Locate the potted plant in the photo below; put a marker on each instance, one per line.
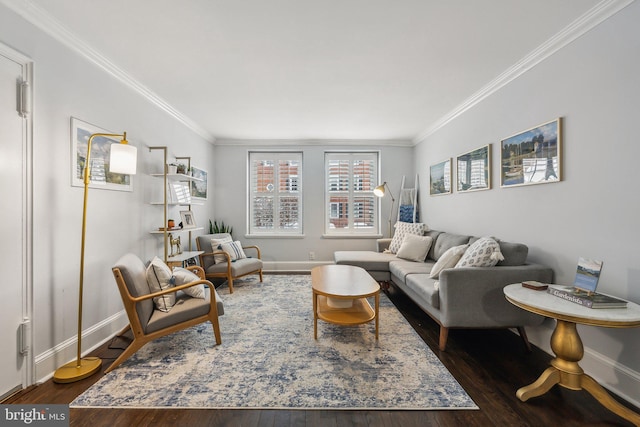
(215, 228)
(181, 168)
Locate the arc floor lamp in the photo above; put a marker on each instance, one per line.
(379, 192)
(122, 159)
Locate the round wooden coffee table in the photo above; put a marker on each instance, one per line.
(340, 295)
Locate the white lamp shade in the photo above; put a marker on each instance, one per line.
(123, 159)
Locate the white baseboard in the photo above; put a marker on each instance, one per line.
(613, 376)
(46, 363)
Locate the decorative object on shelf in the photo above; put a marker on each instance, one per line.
(199, 184)
(188, 220)
(172, 169)
(533, 156)
(181, 169)
(215, 228)
(440, 178)
(473, 170)
(379, 191)
(175, 241)
(122, 161)
(101, 172)
(171, 223)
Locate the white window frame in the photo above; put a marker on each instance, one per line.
(351, 194)
(275, 193)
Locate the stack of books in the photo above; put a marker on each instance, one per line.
(583, 291)
(587, 299)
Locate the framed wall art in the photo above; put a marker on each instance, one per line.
(473, 170)
(533, 156)
(199, 186)
(100, 150)
(188, 220)
(440, 178)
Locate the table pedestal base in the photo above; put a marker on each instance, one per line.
(565, 371)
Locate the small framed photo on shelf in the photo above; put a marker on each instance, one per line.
(473, 170)
(440, 178)
(188, 220)
(533, 156)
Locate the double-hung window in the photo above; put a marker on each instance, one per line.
(275, 196)
(350, 205)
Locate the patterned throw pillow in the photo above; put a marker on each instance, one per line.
(183, 276)
(484, 252)
(215, 245)
(234, 249)
(403, 228)
(159, 278)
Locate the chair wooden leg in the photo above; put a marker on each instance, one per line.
(216, 330)
(523, 335)
(230, 283)
(444, 334)
(128, 352)
(261, 275)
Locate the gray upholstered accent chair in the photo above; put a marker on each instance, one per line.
(145, 321)
(229, 270)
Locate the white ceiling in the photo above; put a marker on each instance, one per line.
(316, 70)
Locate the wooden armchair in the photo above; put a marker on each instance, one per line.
(229, 270)
(145, 321)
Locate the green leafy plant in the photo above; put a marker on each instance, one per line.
(215, 228)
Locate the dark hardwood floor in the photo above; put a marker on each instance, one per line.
(490, 364)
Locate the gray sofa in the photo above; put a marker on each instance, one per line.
(464, 297)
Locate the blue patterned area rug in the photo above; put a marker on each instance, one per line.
(269, 360)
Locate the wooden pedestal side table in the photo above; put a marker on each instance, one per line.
(340, 295)
(567, 345)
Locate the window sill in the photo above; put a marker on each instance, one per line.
(274, 236)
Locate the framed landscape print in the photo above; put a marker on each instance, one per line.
(533, 156)
(199, 187)
(440, 178)
(100, 151)
(473, 170)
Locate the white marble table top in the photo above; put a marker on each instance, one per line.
(543, 303)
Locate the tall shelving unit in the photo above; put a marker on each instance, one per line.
(170, 258)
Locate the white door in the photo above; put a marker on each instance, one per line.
(14, 219)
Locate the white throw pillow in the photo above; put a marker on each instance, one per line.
(234, 249)
(414, 248)
(484, 252)
(449, 259)
(159, 278)
(183, 276)
(215, 246)
(403, 228)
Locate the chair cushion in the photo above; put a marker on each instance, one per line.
(184, 309)
(204, 243)
(238, 268)
(135, 277)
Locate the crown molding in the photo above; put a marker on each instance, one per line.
(45, 22)
(589, 20)
(316, 142)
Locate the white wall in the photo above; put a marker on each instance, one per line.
(287, 253)
(594, 85)
(66, 85)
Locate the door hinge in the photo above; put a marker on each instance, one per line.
(24, 99)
